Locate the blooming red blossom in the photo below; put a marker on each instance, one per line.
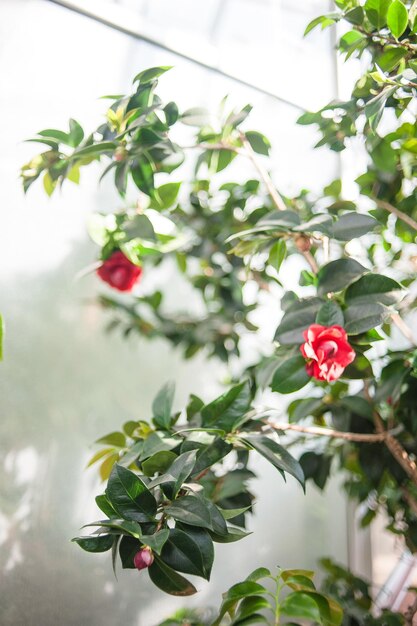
(327, 351)
(119, 272)
(143, 558)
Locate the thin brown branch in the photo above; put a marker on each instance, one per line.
(400, 214)
(410, 500)
(328, 432)
(396, 449)
(404, 329)
(265, 177)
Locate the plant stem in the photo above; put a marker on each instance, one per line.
(400, 214)
(329, 432)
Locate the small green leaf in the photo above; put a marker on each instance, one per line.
(157, 540)
(290, 375)
(227, 410)
(259, 143)
(151, 74)
(189, 550)
(162, 405)
(330, 314)
(115, 439)
(159, 462)
(48, 184)
(397, 18)
(95, 543)
(139, 227)
(352, 225)
(277, 254)
(276, 454)
(129, 496)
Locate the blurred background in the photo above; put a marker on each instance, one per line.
(64, 382)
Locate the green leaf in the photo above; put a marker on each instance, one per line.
(227, 410)
(259, 143)
(374, 108)
(276, 454)
(159, 462)
(352, 225)
(48, 184)
(211, 454)
(157, 540)
(129, 496)
(128, 548)
(197, 511)
(297, 318)
(151, 74)
(397, 18)
(323, 20)
(277, 254)
(94, 150)
(179, 471)
(76, 134)
(95, 543)
(167, 194)
(236, 593)
(162, 405)
(391, 58)
(299, 605)
(105, 506)
(139, 227)
(364, 316)
(337, 275)
(58, 135)
(374, 288)
(290, 375)
(156, 442)
(258, 573)
(249, 607)
(167, 579)
(190, 551)
(233, 534)
(376, 12)
(330, 314)
(196, 116)
(115, 439)
(232, 513)
(355, 16)
(123, 526)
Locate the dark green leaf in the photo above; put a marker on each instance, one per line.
(189, 550)
(95, 543)
(259, 143)
(157, 540)
(351, 225)
(364, 316)
(227, 410)
(337, 275)
(298, 317)
(197, 511)
(162, 405)
(330, 314)
(290, 375)
(374, 288)
(159, 462)
(167, 579)
(129, 496)
(276, 454)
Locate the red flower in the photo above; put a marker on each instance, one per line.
(143, 558)
(327, 350)
(119, 272)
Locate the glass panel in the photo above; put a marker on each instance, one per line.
(64, 383)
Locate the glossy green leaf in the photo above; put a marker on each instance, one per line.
(95, 543)
(189, 550)
(277, 254)
(151, 74)
(105, 506)
(364, 316)
(297, 318)
(373, 288)
(330, 314)
(397, 18)
(227, 410)
(301, 606)
(337, 275)
(352, 225)
(276, 454)
(233, 534)
(290, 375)
(211, 454)
(167, 579)
(179, 471)
(162, 405)
(157, 540)
(129, 496)
(376, 12)
(159, 462)
(197, 511)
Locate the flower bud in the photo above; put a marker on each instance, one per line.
(303, 243)
(143, 558)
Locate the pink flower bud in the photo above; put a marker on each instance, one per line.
(143, 558)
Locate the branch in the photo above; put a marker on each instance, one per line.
(404, 329)
(396, 449)
(329, 432)
(400, 214)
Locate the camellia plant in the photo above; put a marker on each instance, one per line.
(170, 493)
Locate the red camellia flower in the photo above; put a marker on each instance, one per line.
(327, 350)
(119, 272)
(143, 558)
